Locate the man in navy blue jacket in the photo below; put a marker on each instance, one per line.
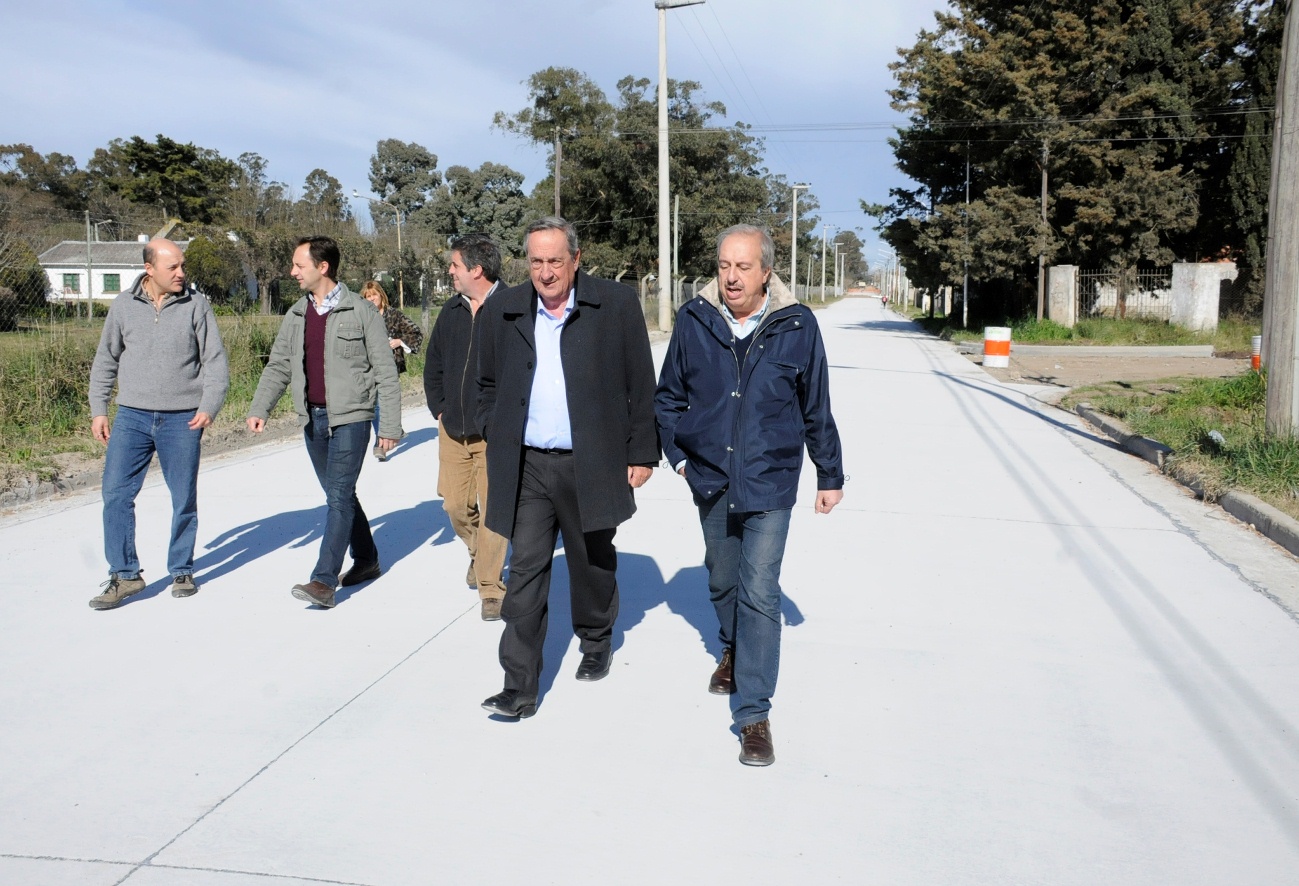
(744, 388)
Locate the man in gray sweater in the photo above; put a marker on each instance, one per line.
(162, 349)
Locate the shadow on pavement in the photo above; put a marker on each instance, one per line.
(414, 438)
(1013, 401)
(244, 544)
(399, 534)
(640, 589)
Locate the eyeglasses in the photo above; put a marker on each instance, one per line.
(553, 263)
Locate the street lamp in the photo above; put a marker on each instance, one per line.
(793, 240)
(401, 289)
(665, 266)
(107, 221)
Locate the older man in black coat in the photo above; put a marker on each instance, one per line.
(566, 404)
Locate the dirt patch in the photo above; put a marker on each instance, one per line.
(1065, 371)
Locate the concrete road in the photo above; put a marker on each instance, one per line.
(1012, 655)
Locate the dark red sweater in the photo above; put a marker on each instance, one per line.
(313, 355)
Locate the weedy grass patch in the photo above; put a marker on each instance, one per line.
(1216, 429)
(45, 376)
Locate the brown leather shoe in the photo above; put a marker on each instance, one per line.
(491, 609)
(315, 592)
(723, 679)
(755, 744)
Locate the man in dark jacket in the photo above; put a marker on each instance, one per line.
(567, 407)
(744, 388)
(451, 388)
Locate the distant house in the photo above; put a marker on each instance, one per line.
(114, 266)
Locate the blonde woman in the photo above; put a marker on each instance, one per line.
(403, 337)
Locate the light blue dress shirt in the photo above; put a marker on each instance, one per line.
(548, 426)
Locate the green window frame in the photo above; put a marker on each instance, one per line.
(72, 283)
(112, 283)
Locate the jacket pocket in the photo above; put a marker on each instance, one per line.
(351, 340)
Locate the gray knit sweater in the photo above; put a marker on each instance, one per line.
(169, 359)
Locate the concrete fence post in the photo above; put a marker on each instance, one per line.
(1062, 295)
(1196, 288)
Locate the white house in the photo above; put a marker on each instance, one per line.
(113, 267)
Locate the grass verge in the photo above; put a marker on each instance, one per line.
(1215, 428)
(44, 411)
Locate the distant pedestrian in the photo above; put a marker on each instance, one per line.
(332, 354)
(162, 349)
(744, 388)
(404, 337)
(451, 388)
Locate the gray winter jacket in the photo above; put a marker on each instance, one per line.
(359, 369)
(169, 358)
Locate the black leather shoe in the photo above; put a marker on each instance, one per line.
(361, 572)
(594, 666)
(511, 703)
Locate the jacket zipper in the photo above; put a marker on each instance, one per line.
(464, 370)
(739, 383)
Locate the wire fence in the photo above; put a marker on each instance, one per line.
(1126, 293)
(1147, 293)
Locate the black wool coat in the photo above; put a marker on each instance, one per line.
(609, 380)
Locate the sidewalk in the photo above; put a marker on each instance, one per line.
(1012, 655)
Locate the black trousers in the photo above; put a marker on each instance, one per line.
(547, 506)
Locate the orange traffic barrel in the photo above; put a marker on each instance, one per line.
(996, 347)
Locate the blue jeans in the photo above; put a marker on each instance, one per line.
(135, 436)
(337, 457)
(743, 553)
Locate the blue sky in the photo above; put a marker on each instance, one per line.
(317, 84)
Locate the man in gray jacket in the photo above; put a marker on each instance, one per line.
(162, 349)
(332, 354)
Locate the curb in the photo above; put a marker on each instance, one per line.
(1261, 516)
(1167, 351)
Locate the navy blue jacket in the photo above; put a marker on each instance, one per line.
(745, 427)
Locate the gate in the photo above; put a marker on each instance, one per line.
(1126, 293)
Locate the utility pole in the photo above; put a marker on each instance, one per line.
(1281, 296)
(1041, 256)
(676, 247)
(90, 275)
(825, 232)
(665, 269)
(559, 159)
(793, 240)
(965, 283)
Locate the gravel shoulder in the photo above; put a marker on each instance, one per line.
(1063, 370)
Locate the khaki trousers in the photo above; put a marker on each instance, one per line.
(462, 483)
